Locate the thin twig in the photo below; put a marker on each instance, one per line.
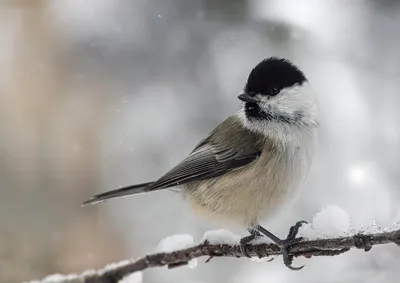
(309, 248)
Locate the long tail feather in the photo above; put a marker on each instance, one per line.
(118, 193)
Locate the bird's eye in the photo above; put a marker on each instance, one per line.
(273, 91)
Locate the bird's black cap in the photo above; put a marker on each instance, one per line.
(272, 75)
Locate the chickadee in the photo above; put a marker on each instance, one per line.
(252, 163)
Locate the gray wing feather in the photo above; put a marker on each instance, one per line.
(206, 162)
(213, 157)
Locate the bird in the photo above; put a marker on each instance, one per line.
(253, 163)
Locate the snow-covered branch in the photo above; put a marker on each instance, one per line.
(309, 248)
(329, 234)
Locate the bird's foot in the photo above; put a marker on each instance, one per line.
(245, 240)
(287, 243)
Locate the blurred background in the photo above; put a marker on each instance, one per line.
(97, 94)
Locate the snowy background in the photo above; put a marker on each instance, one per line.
(96, 94)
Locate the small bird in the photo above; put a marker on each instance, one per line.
(255, 161)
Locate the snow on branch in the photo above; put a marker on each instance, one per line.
(179, 250)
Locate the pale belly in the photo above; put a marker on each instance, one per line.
(247, 196)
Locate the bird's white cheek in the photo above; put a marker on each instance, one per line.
(286, 105)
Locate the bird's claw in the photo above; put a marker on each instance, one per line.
(243, 248)
(288, 260)
(294, 230)
(288, 242)
(283, 244)
(362, 242)
(244, 241)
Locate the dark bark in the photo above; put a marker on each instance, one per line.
(308, 248)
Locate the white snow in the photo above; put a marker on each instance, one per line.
(374, 228)
(262, 240)
(114, 265)
(175, 243)
(223, 237)
(331, 221)
(55, 278)
(193, 263)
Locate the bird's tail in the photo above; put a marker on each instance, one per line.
(118, 193)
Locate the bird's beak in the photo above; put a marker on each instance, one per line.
(247, 98)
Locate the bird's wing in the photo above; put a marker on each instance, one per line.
(229, 146)
(214, 157)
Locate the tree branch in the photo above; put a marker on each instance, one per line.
(309, 248)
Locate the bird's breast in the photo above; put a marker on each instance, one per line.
(253, 192)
